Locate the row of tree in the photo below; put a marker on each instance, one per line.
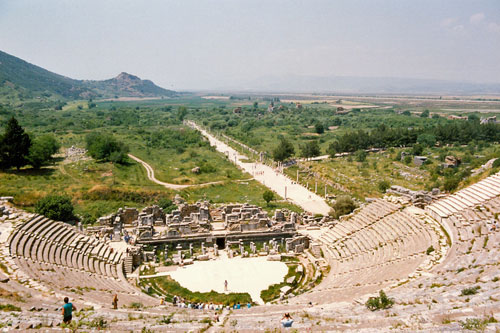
(18, 149)
(461, 132)
(383, 137)
(284, 150)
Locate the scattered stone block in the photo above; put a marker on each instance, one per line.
(203, 257)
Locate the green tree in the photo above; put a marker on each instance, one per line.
(56, 207)
(105, 147)
(268, 196)
(319, 128)
(15, 146)
(283, 151)
(343, 206)
(42, 150)
(425, 114)
(426, 139)
(473, 117)
(310, 149)
(181, 113)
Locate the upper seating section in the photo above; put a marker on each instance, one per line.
(476, 194)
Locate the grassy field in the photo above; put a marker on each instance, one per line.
(154, 132)
(345, 175)
(167, 287)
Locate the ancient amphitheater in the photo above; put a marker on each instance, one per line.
(440, 265)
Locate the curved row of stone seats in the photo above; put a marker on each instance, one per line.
(362, 218)
(391, 228)
(378, 245)
(58, 243)
(472, 260)
(485, 190)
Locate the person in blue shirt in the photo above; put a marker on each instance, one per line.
(67, 311)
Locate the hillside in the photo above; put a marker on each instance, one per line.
(20, 80)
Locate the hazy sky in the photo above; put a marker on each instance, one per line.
(208, 44)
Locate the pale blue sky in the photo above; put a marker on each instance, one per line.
(208, 44)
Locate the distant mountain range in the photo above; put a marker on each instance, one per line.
(20, 80)
(361, 85)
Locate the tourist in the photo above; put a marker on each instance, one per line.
(115, 302)
(249, 305)
(216, 317)
(287, 320)
(225, 285)
(67, 311)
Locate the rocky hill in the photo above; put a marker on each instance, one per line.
(20, 80)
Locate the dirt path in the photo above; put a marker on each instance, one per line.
(151, 176)
(273, 179)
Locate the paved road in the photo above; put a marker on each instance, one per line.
(274, 180)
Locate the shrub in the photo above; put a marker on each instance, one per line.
(136, 305)
(430, 249)
(470, 291)
(9, 307)
(380, 302)
(268, 196)
(343, 206)
(473, 324)
(56, 207)
(360, 155)
(167, 205)
(383, 186)
(99, 323)
(496, 163)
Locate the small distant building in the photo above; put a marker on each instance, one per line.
(488, 120)
(298, 106)
(270, 108)
(419, 160)
(454, 117)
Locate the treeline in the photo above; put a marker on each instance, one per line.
(175, 138)
(18, 149)
(449, 133)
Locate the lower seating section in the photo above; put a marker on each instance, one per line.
(57, 255)
(378, 245)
